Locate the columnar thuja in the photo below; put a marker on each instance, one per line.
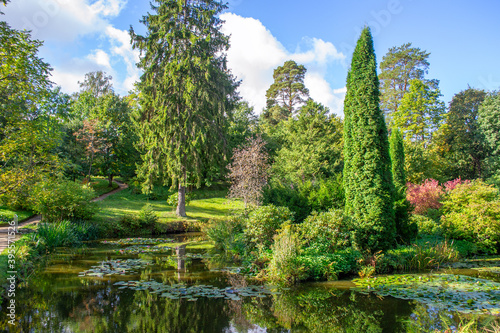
(368, 181)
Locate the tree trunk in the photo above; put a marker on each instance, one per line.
(110, 179)
(181, 203)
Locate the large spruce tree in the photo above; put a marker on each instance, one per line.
(185, 92)
(368, 182)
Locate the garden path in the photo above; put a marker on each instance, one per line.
(37, 218)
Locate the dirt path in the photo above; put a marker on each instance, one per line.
(38, 218)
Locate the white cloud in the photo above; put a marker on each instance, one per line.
(255, 53)
(62, 20)
(120, 41)
(321, 91)
(101, 58)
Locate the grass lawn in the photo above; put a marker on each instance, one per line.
(9, 214)
(213, 205)
(101, 186)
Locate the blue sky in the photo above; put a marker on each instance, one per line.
(462, 37)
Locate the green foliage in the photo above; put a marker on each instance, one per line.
(396, 150)
(186, 93)
(173, 198)
(489, 115)
(400, 65)
(426, 225)
(330, 266)
(323, 195)
(312, 146)
(31, 117)
(466, 147)
(59, 199)
(471, 212)
(420, 113)
(326, 232)
(295, 199)
(285, 265)
(326, 194)
(57, 234)
(264, 222)
(406, 229)
(147, 215)
(417, 257)
(227, 234)
(286, 93)
(367, 172)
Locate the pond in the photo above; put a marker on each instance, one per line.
(130, 287)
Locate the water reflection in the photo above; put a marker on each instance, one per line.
(57, 300)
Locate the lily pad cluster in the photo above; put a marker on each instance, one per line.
(192, 293)
(116, 267)
(139, 249)
(138, 241)
(453, 292)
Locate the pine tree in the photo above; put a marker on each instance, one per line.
(398, 159)
(186, 92)
(367, 169)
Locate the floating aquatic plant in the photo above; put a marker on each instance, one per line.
(192, 293)
(138, 241)
(453, 292)
(138, 249)
(115, 267)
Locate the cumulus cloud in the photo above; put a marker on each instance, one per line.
(255, 53)
(120, 41)
(62, 20)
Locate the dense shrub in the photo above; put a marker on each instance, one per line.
(417, 257)
(59, 199)
(295, 199)
(330, 266)
(326, 232)
(406, 229)
(471, 212)
(285, 265)
(322, 195)
(424, 196)
(227, 234)
(326, 194)
(264, 222)
(426, 225)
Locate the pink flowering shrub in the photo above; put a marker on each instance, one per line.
(425, 196)
(449, 186)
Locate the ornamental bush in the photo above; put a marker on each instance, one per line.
(59, 199)
(425, 196)
(326, 232)
(471, 212)
(264, 222)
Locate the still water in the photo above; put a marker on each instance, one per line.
(57, 299)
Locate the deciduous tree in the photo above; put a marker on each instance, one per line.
(249, 171)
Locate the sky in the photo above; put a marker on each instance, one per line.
(462, 37)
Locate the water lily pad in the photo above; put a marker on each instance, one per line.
(115, 267)
(454, 292)
(138, 241)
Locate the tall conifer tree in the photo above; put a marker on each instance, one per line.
(186, 92)
(367, 170)
(398, 159)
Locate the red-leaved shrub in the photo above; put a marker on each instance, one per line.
(424, 196)
(448, 186)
